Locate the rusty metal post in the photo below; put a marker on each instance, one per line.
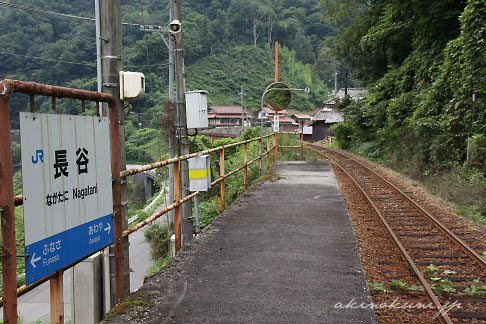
(57, 299)
(245, 163)
(221, 174)
(275, 147)
(9, 262)
(302, 146)
(268, 152)
(178, 208)
(260, 159)
(117, 205)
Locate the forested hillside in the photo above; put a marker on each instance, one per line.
(422, 61)
(227, 43)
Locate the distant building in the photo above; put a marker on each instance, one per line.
(353, 93)
(267, 112)
(322, 122)
(301, 117)
(219, 116)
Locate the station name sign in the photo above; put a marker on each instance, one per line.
(67, 189)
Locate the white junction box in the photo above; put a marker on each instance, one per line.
(199, 173)
(132, 85)
(197, 109)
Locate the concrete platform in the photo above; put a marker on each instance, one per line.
(283, 253)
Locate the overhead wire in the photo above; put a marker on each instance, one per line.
(47, 12)
(75, 63)
(46, 59)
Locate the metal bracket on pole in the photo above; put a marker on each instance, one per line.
(165, 40)
(110, 84)
(115, 57)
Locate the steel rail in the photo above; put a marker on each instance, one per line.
(444, 318)
(434, 221)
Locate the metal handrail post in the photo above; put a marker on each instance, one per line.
(7, 208)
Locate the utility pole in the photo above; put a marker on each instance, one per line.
(182, 138)
(111, 65)
(346, 84)
(171, 135)
(335, 82)
(244, 114)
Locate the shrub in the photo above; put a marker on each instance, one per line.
(478, 152)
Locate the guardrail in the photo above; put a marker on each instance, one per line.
(8, 201)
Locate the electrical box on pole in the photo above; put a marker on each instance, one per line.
(132, 85)
(197, 109)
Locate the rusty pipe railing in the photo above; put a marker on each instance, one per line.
(179, 201)
(6, 207)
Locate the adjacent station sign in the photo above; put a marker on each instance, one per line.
(67, 190)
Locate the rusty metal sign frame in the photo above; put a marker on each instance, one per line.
(8, 201)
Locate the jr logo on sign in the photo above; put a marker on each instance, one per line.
(38, 156)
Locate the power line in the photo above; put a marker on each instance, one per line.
(150, 65)
(46, 12)
(46, 59)
(75, 63)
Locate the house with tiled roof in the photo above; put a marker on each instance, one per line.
(267, 112)
(219, 116)
(353, 93)
(301, 118)
(321, 123)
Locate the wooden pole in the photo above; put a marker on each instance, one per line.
(57, 299)
(178, 208)
(245, 163)
(221, 174)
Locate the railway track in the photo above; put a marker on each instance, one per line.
(448, 269)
